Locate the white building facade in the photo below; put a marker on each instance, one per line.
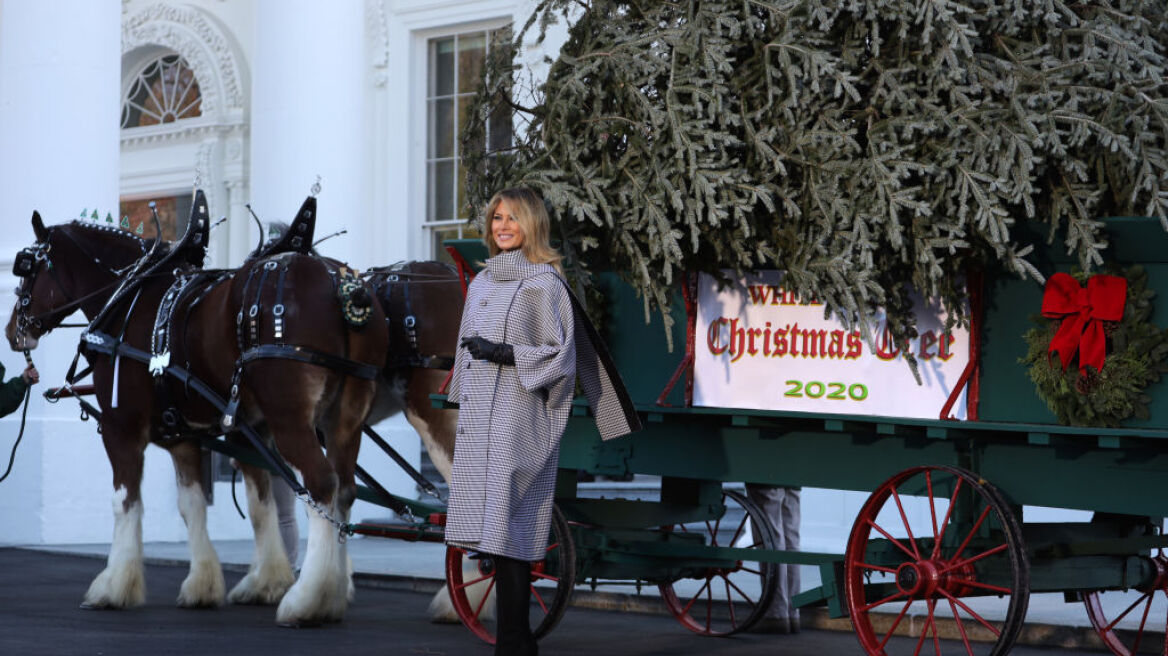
(107, 104)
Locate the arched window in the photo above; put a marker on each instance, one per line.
(163, 92)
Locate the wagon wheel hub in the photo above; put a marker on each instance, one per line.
(919, 579)
(486, 566)
(1160, 581)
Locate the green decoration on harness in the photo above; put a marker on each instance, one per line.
(125, 224)
(139, 230)
(94, 215)
(109, 217)
(1137, 356)
(84, 213)
(356, 304)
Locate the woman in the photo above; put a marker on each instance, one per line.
(523, 342)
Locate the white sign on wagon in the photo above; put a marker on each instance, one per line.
(758, 347)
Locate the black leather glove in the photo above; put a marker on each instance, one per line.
(484, 349)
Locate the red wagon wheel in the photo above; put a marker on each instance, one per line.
(927, 538)
(728, 599)
(1144, 610)
(552, 580)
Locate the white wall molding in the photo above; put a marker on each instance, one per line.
(207, 50)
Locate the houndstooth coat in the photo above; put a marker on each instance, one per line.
(511, 418)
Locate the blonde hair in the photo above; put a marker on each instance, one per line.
(532, 217)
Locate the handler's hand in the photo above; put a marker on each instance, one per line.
(31, 375)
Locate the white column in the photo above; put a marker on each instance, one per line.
(60, 72)
(310, 117)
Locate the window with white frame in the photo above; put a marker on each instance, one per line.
(164, 91)
(454, 67)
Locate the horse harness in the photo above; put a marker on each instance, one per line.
(247, 332)
(189, 288)
(397, 279)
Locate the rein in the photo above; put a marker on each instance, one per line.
(23, 418)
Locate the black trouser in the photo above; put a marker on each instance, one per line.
(512, 605)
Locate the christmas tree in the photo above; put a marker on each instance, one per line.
(865, 147)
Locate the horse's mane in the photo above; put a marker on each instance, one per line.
(141, 242)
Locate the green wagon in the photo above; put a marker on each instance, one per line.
(941, 542)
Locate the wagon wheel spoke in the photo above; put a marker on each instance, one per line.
(891, 597)
(709, 607)
(933, 622)
(948, 514)
(896, 623)
(877, 568)
(973, 559)
(986, 586)
(960, 627)
(738, 532)
(1119, 618)
(479, 609)
(467, 584)
(973, 531)
(1166, 633)
(539, 599)
(730, 602)
(731, 584)
(980, 620)
(695, 597)
(921, 639)
(932, 511)
(916, 553)
(1143, 623)
(893, 540)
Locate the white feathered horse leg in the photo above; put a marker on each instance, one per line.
(122, 583)
(322, 592)
(204, 586)
(270, 574)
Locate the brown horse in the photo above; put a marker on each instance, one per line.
(223, 329)
(422, 301)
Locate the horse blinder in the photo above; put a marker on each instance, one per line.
(25, 263)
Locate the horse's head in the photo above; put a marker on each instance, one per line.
(67, 268)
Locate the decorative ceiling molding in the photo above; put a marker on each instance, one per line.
(201, 43)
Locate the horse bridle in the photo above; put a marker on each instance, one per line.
(27, 266)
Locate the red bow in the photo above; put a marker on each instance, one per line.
(1082, 311)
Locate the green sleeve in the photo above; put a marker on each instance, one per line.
(11, 394)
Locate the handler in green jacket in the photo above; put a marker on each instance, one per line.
(12, 392)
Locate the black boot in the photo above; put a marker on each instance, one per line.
(512, 605)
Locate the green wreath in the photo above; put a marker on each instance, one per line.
(1137, 355)
(356, 305)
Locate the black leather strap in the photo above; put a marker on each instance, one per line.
(311, 356)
